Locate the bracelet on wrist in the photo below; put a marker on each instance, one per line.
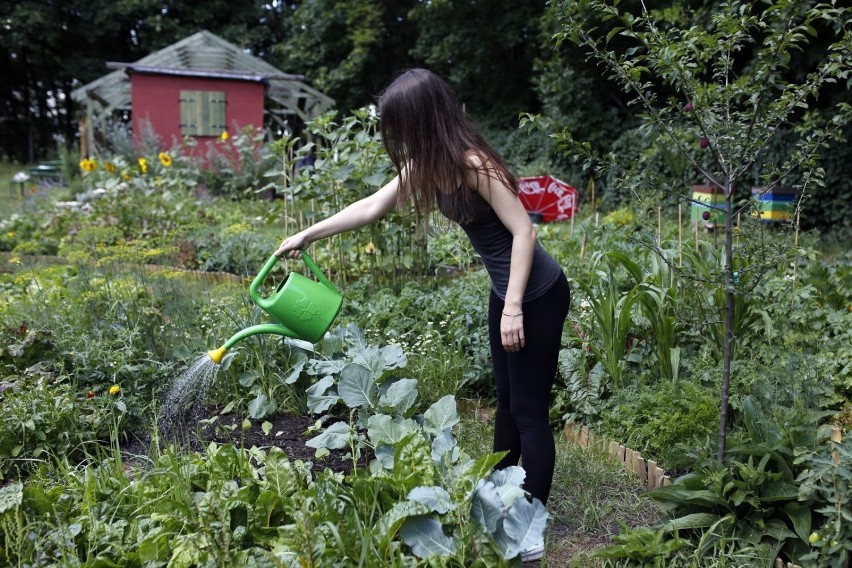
(513, 315)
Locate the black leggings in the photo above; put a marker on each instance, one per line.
(523, 380)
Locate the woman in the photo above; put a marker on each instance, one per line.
(443, 161)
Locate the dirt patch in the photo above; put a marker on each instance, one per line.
(288, 432)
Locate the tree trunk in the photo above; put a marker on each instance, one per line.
(729, 319)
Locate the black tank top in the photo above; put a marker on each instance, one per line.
(493, 242)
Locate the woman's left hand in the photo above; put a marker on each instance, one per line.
(512, 331)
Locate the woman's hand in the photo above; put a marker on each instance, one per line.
(292, 245)
(512, 331)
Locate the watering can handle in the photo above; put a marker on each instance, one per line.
(261, 276)
(317, 272)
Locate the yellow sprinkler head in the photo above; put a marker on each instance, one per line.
(217, 354)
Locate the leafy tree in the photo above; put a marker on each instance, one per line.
(346, 48)
(486, 49)
(722, 94)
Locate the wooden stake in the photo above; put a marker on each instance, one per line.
(696, 235)
(795, 259)
(583, 246)
(659, 226)
(592, 188)
(836, 437)
(574, 214)
(680, 233)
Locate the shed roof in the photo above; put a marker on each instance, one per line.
(204, 55)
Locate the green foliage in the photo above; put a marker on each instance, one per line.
(753, 496)
(48, 418)
(451, 314)
(349, 163)
(826, 480)
(647, 547)
(663, 422)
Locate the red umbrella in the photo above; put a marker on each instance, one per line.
(549, 197)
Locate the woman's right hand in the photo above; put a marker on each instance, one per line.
(292, 245)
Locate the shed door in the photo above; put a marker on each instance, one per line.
(202, 113)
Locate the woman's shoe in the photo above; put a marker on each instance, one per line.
(533, 553)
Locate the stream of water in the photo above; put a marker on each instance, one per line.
(188, 392)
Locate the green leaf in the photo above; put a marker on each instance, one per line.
(11, 496)
(382, 428)
(691, 521)
(260, 407)
(525, 522)
(435, 498)
(426, 537)
(801, 517)
(335, 437)
(318, 400)
(487, 507)
(357, 386)
(400, 395)
(392, 520)
(441, 415)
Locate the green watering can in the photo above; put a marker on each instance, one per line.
(304, 308)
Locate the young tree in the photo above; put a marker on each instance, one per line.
(725, 95)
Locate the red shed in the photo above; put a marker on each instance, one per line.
(177, 103)
(198, 87)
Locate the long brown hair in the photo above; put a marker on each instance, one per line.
(429, 139)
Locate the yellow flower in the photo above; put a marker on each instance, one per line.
(110, 167)
(143, 165)
(125, 176)
(165, 159)
(370, 248)
(88, 165)
(224, 135)
(11, 234)
(114, 390)
(15, 260)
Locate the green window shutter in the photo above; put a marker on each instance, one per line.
(189, 103)
(202, 113)
(216, 121)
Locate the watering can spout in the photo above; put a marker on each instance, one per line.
(217, 354)
(266, 328)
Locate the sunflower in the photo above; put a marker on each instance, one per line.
(165, 159)
(224, 136)
(143, 165)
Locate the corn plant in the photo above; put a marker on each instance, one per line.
(612, 315)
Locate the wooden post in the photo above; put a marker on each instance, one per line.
(569, 431)
(696, 234)
(592, 188)
(573, 214)
(795, 259)
(653, 475)
(659, 226)
(836, 437)
(613, 449)
(584, 436)
(83, 126)
(583, 246)
(680, 233)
